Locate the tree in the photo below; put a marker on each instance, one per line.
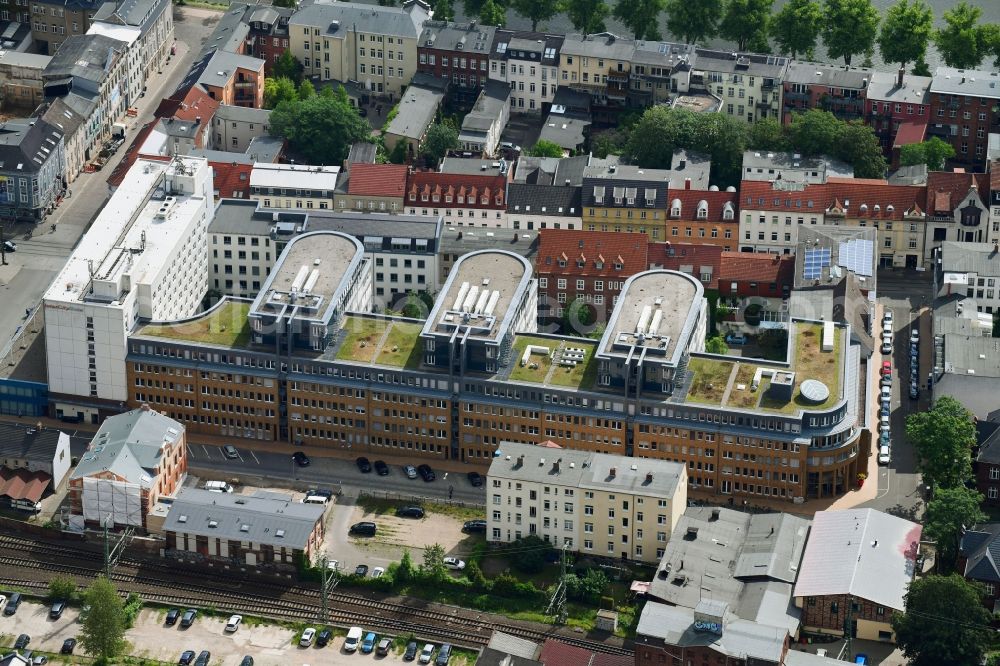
(857, 145)
(943, 438)
(932, 152)
(285, 3)
(321, 129)
(398, 154)
(287, 66)
(906, 30)
(716, 345)
(306, 89)
(767, 134)
(63, 588)
(439, 140)
(948, 514)
(587, 588)
(404, 570)
(433, 566)
(530, 553)
(587, 16)
(693, 20)
(414, 307)
(535, 11)
(278, 90)
(945, 622)
(492, 14)
(797, 26)
(545, 148)
(642, 17)
(103, 632)
(745, 22)
(444, 11)
(988, 39)
(849, 28)
(578, 317)
(959, 41)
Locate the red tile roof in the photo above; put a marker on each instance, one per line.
(869, 199)
(471, 187)
(945, 189)
(231, 179)
(556, 653)
(690, 199)
(377, 180)
(194, 103)
(22, 484)
(592, 248)
(757, 267)
(674, 256)
(908, 133)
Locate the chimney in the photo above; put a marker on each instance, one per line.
(649, 477)
(899, 77)
(197, 120)
(555, 466)
(692, 533)
(715, 515)
(687, 183)
(520, 460)
(145, 407)
(614, 470)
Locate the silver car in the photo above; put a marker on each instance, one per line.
(410, 471)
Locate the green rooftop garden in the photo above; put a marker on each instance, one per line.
(363, 336)
(540, 368)
(538, 365)
(709, 380)
(226, 326)
(402, 348)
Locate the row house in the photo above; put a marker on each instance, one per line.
(154, 22)
(233, 79)
(592, 266)
(705, 217)
(977, 559)
(702, 262)
(373, 188)
(300, 186)
(543, 206)
(897, 101)
(348, 41)
(52, 21)
(958, 209)
(839, 90)
(461, 200)
(458, 53)
(660, 72)
(599, 65)
(619, 197)
(746, 275)
(964, 111)
(529, 62)
(749, 84)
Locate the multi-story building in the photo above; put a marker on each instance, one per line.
(749, 84)
(599, 65)
(707, 217)
(456, 243)
(34, 460)
(964, 111)
(593, 503)
(758, 276)
(52, 21)
(792, 167)
(876, 557)
(986, 462)
(458, 53)
(294, 185)
(529, 62)
(971, 270)
(59, 114)
(483, 125)
(32, 169)
(839, 90)
(143, 257)
(958, 209)
(975, 557)
(373, 188)
(416, 111)
(539, 206)
(660, 72)
(461, 199)
(155, 23)
(21, 80)
(234, 127)
(133, 461)
(894, 101)
(268, 35)
(233, 79)
(588, 265)
(371, 45)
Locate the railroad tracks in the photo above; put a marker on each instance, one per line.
(37, 562)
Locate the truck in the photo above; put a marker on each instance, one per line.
(118, 131)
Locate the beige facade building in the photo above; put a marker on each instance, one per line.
(294, 185)
(52, 21)
(596, 503)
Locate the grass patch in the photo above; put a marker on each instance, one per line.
(527, 373)
(381, 507)
(363, 334)
(227, 326)
(583, 374)
(402, 346)
(746, 398)
(709, 381)
(813, 363)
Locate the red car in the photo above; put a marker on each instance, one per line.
(886, 368)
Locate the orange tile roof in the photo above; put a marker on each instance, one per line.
(592, 247)
(377, 180)
(194, 103)
(469, 186)
(22, 484)
(945, 189)
(716, 204)
(231, 179)
(672, 256)
(881, 201)
(757, 267)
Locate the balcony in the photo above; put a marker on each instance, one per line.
(617, 77)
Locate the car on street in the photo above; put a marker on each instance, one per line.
(454, 563)
(426, 654)
(363, 528)
(361, 570)
(187, 658)
(22, 642)
(234, 623)
(301, 459)
(914, 336)
(885, 394)
(353, 639)
(172, 616)
(203, 658)
(9, 246)
(324, 636)
(476, 479)
(887, 316)
(230, 452)
(383, 647)
(364, 465)
(188, 618)
(426, 473)
(381, 468)
(914, 392)
(378, 572)
(410, 512)
(368, 643)
(883, 423)
(68, 645)
(411, 651)
(883, 455)
(885, 381)
(410, 471)
(444, 654)
(471, 526)
(308, 635)
(57, 608)
(886, 367)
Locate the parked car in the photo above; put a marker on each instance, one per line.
(22, 642)
(363, 528)
(736, 339)
(230, 452)
(411, 651)
(426, 473)
(883, 423)
(887, 327)
(57, 608)
(883, 455)
(12, 603)
(39, 660)
(187, 658)
(353, 639)
(361, 570)
(476, 479)
(886, 367)
(426, 654)
(471, 526)
(410, 471)
(410, 512)
(887, 316)
(383, 647)
(444, 654)
(308, 635)
(234, 623)
(172, 616)
(301, 459)
(914, 335)
(9, 246)
(3, 600)
(914, 391)
(247, 661)
(368, 643)
(363, 465)
(68, 645)
(381, 468)
(188, 618)
(454, 563)
(886, 381)
(324, 636)
(885, 394)
(886, 347)
(203, 658)
(320, 492)
(378, 572)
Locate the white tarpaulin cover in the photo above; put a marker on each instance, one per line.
(104, 497)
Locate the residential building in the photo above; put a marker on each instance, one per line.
(841, 90)
(52, 21)
(471, 200)
(543, 206)
(895, 101)
(661, 72)
(21, 80)
(744, 275)
(191, 104)
(792, 168)
(268, 35)
(591, 503)
(416, 112)
(294, 185)
(204, 527)
(373, 188)
(143, 256)
(986, 459)
(73, 126)
(749, 84)
(155, 22)
(958, 210)
(858, 562)
(483, 125)
(234, 127)
(964, 110)
(347, 41)
(599, 65)
(567, 128)
(971, 270)
(707, 217)
(591, 266)
(33, 461)
(965, 364)
(32, 168)
(458, 53)
(135, 459)
(230, 173)
(529, 62)
(234, 79)
(701, 262)
(456, 243)
(977, 560)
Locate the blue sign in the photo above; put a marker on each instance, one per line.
(702, 625)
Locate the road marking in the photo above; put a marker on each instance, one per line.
(888, 482)
(239, 456)
(190, 452)
(207, 454)
(254, 456)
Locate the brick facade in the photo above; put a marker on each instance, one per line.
(828, 614)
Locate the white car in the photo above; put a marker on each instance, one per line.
(3, 601)
(883, 423)
(886, 394)
(234, 623)
(332, 565)
(308, 635)
(410, 471)
(353, 639)
(426, 654)
(454, 563)
(887, 316)
(883, 455)
(914, 336)
(377, 572)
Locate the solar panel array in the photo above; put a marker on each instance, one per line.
(857, 256)
(814, 262)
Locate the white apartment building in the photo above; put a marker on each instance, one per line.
(971, 270)
(142, 258)
(749, 84)
(234, 127)
(155, 22)
(529, 62)
(293, 185)
(596, 503)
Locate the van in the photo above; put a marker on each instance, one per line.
(218, 487)
(315, 499)
(353, 639)
(12, 603)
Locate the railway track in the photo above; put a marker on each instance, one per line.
(159, 582)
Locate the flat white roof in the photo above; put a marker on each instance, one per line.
(123, 33)
(294, 176)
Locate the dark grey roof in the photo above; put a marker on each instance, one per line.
(574, 102)
(232, 113)
(26, 144)
(976, 393)
(63, 117)
(450, 36)
(488, 107)
(669, 55)
(221, 156)
(362, 152)
(536, 170)
(567, 133)
(988, 441)
(73, 5)
(258, 520)
(827, 74)
(978, 258)
(84, 56)
(514, 646)
(354, 16)
(231, 30)
(130, 445)
(417, 109)
(459, 241)
(981, 548)
(265, 148)
(474, 166)
(528, 42)
(28, 442)
(139, 13)
(222, 66)
(544, 200)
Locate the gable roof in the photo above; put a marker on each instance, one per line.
(861, 552)
(525, 199)
(946, 189)
(981, 548)
(715, 202)
(336, 19)
(470, 186)
(757, 267)
(28, 442)
(189, 104)
(231, 178)
(869, 198)
(607, 247)
(377, 180)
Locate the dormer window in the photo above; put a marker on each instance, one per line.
(727, 212)
(675, 208)
(702, 210)
(413, 196)
(423, 197)
(599, 265)
(461, 199)
(484, 201)
(580, 263)
(562, 263)
(447, 198)
(618, 266)
(436, 198)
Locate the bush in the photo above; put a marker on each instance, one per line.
(63, 588)
(588, 587)
(133, 604)
(531, 554)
